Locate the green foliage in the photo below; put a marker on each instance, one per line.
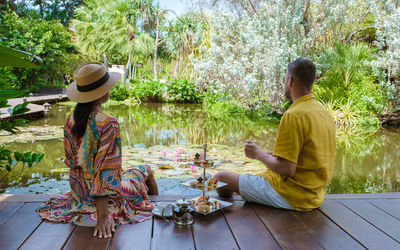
(46, 39)
(120, 92)
(149, 91)
(113, 28)
(6, 77)
(7, 162)
(218, 106)
(176, 91)
(28, 158)
(183, 91)
(14, 58)
(347, 87)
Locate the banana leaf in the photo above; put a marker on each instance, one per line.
(15, 58)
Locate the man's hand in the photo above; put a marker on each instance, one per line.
(104, 227)
(252, 150)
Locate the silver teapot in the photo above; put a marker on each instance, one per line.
(183, 213)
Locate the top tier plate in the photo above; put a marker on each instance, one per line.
(216, 163)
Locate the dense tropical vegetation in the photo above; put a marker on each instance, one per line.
(229, 55)
(9, 159)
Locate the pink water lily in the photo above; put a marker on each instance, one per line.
(179, 150)
(165, 152)
(194, 168)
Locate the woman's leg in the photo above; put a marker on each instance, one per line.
(150, 181)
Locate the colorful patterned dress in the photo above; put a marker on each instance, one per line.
(95, 170)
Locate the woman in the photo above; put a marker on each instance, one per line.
(101, 196)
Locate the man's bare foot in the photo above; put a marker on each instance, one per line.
(224, 193)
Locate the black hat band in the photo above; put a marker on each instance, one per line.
(94, 85)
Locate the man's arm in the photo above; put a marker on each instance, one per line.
(277, 164)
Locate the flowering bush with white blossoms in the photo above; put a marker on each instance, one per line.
(388, 34)
(248, 54)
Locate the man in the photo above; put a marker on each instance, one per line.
(302, 161)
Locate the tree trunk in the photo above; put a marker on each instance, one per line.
(127, 67)
(176, 66)
(134, 69)
(105, 60)
(155, 53)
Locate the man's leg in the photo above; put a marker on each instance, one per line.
(230, 178)
(150, 181)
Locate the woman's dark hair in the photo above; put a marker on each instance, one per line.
(81, 116)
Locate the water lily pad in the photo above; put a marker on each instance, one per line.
(59, 170)
(166, 167)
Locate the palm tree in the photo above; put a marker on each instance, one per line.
(113, 26)
(181, 37)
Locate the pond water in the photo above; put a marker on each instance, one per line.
(151, 133)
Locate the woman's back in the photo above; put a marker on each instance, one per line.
(101, 194)
(96, 157)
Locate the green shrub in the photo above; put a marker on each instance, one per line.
(120, 92)
(348, 85)
(149, 91)
(49, 40)
(6, 77)
(219, 106)
(183, 91)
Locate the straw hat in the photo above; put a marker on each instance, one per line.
(92, 81)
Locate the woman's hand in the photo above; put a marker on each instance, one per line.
(104, 227)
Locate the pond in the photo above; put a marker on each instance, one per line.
(152, 133)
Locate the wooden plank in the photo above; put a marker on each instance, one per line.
(286, 229)
(43, 198)
(212, 232)
(368, 235)
(133, 236)
(179, 197)
(24, 198)
(394, 195)
(167, 235)
(249, 231)
(323, 230)
(8, 209)
(390, 206)
(18, 227)
(49, 235)
(376, 217)
(82, 238)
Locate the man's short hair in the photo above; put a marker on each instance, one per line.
(303, 71)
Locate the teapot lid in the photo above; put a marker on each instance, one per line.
(183, 203)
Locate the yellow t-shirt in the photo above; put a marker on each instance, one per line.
(306, 137)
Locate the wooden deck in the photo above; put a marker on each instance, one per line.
(344, 221)
(35, 106)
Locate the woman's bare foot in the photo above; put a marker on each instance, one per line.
(151, 181)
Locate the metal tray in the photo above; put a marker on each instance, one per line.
(216, 163)
(219, 184)
(224, 204)
(163, 209)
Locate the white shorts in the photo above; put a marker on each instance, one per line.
(257, 189)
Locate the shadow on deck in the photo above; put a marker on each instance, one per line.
(354, 221)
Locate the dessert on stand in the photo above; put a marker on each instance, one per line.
(204, 204)
(183, 211)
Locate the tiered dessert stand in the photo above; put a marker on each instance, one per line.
(205, 188)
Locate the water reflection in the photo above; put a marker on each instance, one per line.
(368, 163)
